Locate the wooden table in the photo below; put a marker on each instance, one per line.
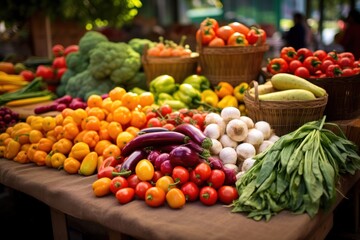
(72, 195)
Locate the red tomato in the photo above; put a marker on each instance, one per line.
(203, 171)
(141, 189)
(333, 56)
(117, 183)
(239, 27)
(155, 197)
(320, 54)
(199, 119)
(227, 194)
(225, 32)
(153, 122)
(71, 48)
(157, 175)
(303, 53)
(58, 50)
(345, 62)
(165, 109)
(349, 55)
(302, 72)
(356, 64)
(216, 179)
(325, 64)
(45, 72)
(208, 195)
(294, 64)
(347, 72)
(175, 198)
(125, 195)
(169, 126)
(180, 175)
(28, 75)
(191, 191)
(133, 180)
(59, 62)
(150, 115)
(59, 73)
(195, 179)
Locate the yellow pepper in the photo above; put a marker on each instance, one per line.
(101, 187)
(239, 91)
(228, 101)
(223, 89)
(209, 96)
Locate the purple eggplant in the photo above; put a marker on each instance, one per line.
(167, 148)
(166, 168)
(184, 156)
(152, 129)
(153, 155)
(195, 134)
(154, 139)
(130, 162)
(204, 153)
(160, 159)
(230, 176)
(215, 163)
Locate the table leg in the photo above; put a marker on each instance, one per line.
(59, 225)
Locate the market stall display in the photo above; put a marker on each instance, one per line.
(178, 136)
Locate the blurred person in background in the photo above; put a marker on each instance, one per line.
(350, 38)
(296, 37)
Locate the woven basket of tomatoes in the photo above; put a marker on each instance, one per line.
(232, 53)
(168, 57)
(338, 73)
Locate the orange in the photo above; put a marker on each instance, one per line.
(122, 115)
(112, 150)
(116, 93)
(130, 100)
(138, 119)
(114, 128)
(94, 101)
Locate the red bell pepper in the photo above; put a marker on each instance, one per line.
(256, 36)
(333, 70)
(277, 65)
(312, 63)
(288, 53)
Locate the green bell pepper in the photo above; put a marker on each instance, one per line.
(199, 82)
(162, 84)
(174, 104)
(164, 96)
(188, 95)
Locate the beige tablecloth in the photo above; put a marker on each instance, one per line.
(72, 195)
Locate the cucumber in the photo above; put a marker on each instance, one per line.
(288, 95)
(263, 88)
(285, 81)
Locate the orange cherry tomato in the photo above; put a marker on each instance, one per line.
(155, 197)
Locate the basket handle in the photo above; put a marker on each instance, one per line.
(145, 53)
(256, 88)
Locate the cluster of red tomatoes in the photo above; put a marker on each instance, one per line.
(175, 189)
(314, 64)
(233, 34)
(166, 117)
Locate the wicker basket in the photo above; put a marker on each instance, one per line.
(344, 96)
(177, 67)
(232, 64)
(284, 116)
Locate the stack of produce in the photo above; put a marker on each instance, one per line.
(232, 53)
(336, 72)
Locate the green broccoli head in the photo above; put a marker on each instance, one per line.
(138, 44)
(77, 62)
(117, 61)
(89, 40)
(84, 84)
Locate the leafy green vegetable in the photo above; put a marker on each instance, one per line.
(298, 173)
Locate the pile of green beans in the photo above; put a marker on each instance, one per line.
(298, 173)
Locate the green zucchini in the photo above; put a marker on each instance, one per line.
(286, 81)
(288, 95)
